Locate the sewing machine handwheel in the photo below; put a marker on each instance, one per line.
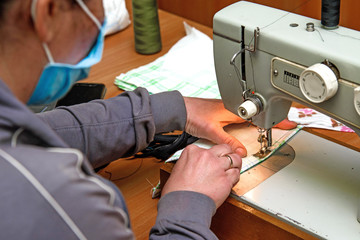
(357, 99)
(318, 83)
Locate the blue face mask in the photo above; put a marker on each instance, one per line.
(57, 78)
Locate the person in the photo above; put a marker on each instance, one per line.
(48, 187)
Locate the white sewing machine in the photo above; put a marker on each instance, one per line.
(266, 58)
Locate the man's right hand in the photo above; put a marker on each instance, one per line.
(212, 172)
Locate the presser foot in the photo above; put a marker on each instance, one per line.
(262, 153)
(265, 143)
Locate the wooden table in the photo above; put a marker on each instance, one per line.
(135, 178)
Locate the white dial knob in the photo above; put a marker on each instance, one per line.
(357, 99)
(318, 83)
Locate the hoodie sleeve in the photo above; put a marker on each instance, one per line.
(106, 130)
(184, 215)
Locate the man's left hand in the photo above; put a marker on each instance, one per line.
(207, 117)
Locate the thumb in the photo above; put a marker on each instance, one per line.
(223, 137)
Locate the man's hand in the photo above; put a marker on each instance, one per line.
(206, 171)
(207, 117)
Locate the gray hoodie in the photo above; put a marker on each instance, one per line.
(48, 187)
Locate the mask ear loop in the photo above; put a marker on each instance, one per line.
(48, 53)
(45, 46)
(33, 9)
(89, 13)
(82, 6)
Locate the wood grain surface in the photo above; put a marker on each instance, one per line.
(203, 11)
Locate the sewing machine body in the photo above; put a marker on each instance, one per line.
(282, 51)
(316, 192)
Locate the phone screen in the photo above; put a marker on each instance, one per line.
(83, 92)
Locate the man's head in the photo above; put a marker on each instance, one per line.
(62, 25)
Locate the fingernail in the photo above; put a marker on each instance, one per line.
(242, 152)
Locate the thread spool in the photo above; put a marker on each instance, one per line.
(146, 26)
(330, 13)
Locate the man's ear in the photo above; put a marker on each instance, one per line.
(44, 19)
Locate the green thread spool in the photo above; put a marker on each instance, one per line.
(146, 26)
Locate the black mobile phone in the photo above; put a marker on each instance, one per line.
(79, 93)
(82, 93)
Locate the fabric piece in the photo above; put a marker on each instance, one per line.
(248, 135)
(188, 67)
(308, 117)
(117, 16)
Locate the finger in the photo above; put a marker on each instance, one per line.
(229, 118)
(286, 124)
(228, 163)
(223, 137)
(221, 149)
(232, 161)
(233, 175)
(225, 123)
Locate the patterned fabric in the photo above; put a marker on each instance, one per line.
(308, 117)
(188, 67)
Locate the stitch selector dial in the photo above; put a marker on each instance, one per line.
(318, 83)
